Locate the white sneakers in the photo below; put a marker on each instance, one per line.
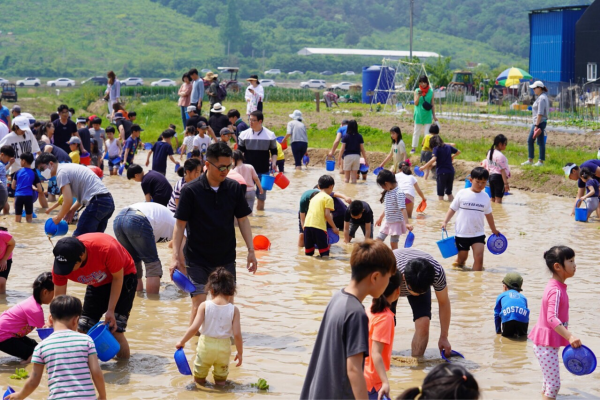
(537, 164)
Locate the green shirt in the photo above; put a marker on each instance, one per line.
(422, 116)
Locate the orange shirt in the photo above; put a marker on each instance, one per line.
(381, 329)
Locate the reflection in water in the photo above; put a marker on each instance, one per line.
(282, 305)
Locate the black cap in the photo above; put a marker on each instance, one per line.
(67, 253)
(201, 125)
(136, 128)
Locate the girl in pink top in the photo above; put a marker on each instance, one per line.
(550, 332)
(18, 321)
(497, 165)
(7, 245)
(185, 93)
(249, 174)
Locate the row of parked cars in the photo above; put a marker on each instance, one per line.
(95, 80)
(275, 71)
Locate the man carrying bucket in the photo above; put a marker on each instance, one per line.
(207, 208)
(259, 146)
(420, 271)
(78, 181)
(100, 262)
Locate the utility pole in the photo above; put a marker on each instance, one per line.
(412, 9)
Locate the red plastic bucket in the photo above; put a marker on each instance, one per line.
(283, 142)
(85, 159)
(261, 242)
(281, 180)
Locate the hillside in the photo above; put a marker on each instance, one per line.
(154, 38)
(83, 38)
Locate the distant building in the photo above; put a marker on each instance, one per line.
(552, 44)
(587, 44)
(391, 54)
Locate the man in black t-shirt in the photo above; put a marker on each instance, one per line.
(64, 128)
(207, 209)
(358, 215)
(194, 117)
(155, 186)
(218, 120)
(84, 134)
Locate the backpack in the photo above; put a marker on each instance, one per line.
(221, 92)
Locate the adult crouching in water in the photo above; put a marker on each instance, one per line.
(208, 216)
(78, 181)
(424, 113)
(98, 261)
(573, 172)
(540, 111)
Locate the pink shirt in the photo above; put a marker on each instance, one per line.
(554, 312)
(5, 237)
(249, 173)
(498, 163)
(185, 93)
(19, 320)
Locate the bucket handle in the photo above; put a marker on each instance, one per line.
(578, 202)
(446, 232)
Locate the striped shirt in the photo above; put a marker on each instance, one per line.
(258, 148)
(65, 355)
(175, 194)
(394, 204)
(403, 256)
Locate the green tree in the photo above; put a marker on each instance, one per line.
(439, 72)
(230, 27)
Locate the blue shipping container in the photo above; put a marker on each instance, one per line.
(552, 43)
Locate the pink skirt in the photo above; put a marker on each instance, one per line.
(393, 228)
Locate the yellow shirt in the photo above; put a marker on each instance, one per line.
(74, 156)
(315, 217)
(280, 155)
(426, 145)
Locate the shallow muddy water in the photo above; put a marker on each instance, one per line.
(282, 305)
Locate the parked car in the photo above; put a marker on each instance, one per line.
(267, 83)
(296, 73)
(62, 82)
(29, 82)
(348, 73)
(326, 73)
(3, 81)
(132, 82)
(96, 80)
(342, 86)
(9, 92)
(273, 72)
(313, 84)
(164, 82)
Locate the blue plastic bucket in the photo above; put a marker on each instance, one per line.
(183, 282)
(8, 392)
(447, 246)
(377, 170)
(418, 172)
(106, 156)
(305, 160)
(121, 168)
(410, 239)
(580, 213)
(363, 169)
(452, 353)
(497, 244)
(579, 361)
(488, 190)
(332, 238)
(177, 167)
(468, 182)
(116, 160)
(182, 363)
(43, 333)
(267, 181)
(148, 146)
(23, 214)
(107, 346)
(53, 230)
(330, 165)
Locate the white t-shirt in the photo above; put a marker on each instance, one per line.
(202, 143)
(406, 183)
(188, 141)
(21, 144)
(3, 130)
(160, 217)
(471, 209)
